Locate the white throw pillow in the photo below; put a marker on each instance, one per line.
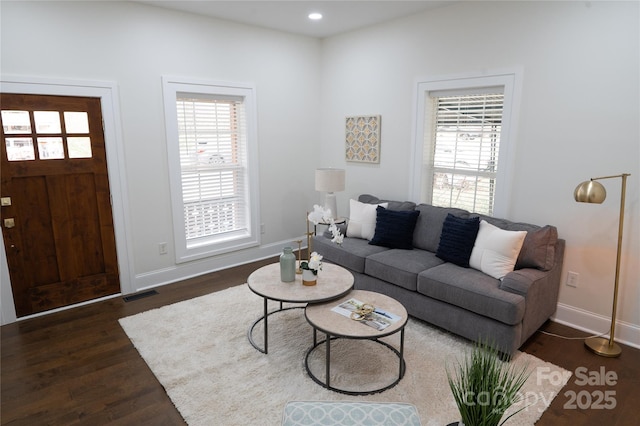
(496, 251)
(362, 219)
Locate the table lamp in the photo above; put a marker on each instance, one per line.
(593, 192)
(330, 180)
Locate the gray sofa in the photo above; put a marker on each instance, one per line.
(462, 300)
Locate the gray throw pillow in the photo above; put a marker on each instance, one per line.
(539, 248)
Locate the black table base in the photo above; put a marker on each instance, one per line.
(327, 384)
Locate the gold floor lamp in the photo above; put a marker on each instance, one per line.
(593, 192)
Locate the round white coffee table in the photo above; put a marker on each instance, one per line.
(334, 325)
(333, 282)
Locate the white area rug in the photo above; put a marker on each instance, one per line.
(198, 349)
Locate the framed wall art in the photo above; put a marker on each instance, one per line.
(362, 142)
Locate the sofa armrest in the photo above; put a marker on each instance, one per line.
(540, 290)
(521, 280)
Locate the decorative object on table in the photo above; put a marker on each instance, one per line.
(361, 313)
(310, 269)
(323, 216)
(484, 386)
(298, 269)
(362, 139)
(287, 265)
(309, 278)
(329, 181)
(367, 313)
(593, 192)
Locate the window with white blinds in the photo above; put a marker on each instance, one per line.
(212, 140)
(211, 143)
(466, 144)
(465, 130)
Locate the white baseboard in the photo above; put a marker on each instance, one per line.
(185, 271)
(625, 333)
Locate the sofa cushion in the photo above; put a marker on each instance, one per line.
(400, 267)
(472, 290)
(351, 254)
(496, 250)
(362, 219)
(394, 229)
(392, 205)
(426, 236)
(457, 239)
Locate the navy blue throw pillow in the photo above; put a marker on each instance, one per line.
(457, 239)
(394, 229)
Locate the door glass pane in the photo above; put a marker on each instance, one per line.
(19, 149)
(50, 148)
(16, 122)
(76, 122)
(47, 121)
(79, 147)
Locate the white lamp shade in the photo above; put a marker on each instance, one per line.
(329, 180)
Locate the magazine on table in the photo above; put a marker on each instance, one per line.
(378, 318)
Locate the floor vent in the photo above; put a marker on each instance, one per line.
(137, 296)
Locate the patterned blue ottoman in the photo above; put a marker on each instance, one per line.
(330, 413)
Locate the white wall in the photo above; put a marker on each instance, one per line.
(579, 118)
(133, 45)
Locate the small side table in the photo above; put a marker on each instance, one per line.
(336, 326)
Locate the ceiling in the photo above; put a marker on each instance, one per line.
(291, 16)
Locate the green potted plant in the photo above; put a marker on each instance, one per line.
(484, 386)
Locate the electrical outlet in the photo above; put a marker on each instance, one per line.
(162, 248)
(572, 279)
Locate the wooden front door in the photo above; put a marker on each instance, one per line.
(55, 202)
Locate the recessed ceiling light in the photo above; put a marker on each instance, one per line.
(315, 16)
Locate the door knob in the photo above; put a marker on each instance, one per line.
(9, 223)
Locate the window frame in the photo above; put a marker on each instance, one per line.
(186, 250)
(511, 82)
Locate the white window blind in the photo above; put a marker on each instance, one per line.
(465, 146)
(213, 159)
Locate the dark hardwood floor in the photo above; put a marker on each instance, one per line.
(79, 367)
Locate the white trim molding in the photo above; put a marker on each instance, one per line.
(181, 272)
(511, 81)
(626, 333)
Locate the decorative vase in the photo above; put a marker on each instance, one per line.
(308, 277)
(287, 265)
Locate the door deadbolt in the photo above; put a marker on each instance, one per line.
(9, 223)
